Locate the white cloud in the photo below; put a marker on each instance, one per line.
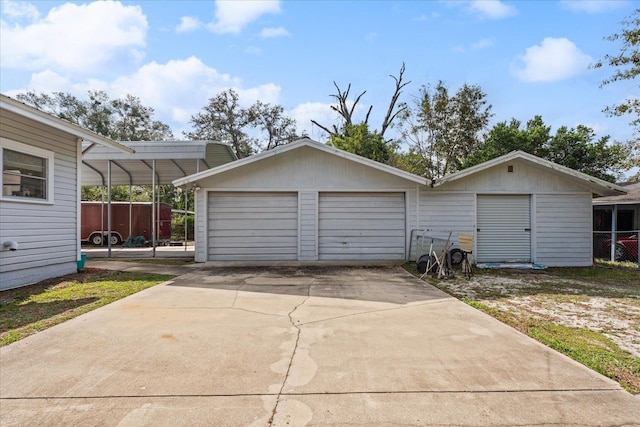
(371, 36)
(17, 10)
(598, 128)
(176, 89)
(274, 32)
(425, 17)
(253, 50)
(233, 16)
(318, 111)
(554, 59)
(593, 6)
(484, 43)
(187, 23)
(75, 38)
(492, 9)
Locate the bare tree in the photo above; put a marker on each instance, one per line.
(345, 108)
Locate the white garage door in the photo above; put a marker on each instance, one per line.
(504, 228)
(253, 226)
(361, 226)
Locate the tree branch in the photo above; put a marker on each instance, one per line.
(322, 127)
(390, 116)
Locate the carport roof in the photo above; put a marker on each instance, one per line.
(174, 159)
(305, 142)
(596, 185)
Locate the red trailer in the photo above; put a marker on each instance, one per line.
(127, 219)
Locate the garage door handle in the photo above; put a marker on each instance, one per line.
(527, 229)
(477, 229)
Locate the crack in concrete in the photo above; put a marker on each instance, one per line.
(403, 307)
(293, 354)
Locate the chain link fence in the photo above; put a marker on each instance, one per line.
(625, 247)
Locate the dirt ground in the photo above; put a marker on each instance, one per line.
(612, 309)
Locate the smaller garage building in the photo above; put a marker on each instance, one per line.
(307, 201)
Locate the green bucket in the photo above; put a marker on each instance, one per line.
(80, 263)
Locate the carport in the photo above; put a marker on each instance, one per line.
(617, 219)
(154, 163)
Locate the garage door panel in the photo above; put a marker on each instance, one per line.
(252, 233)
(241, 251)
(341, 233)
(355, 216)
(361, 226)
(251, 242)
(504, 223)
(253, 226)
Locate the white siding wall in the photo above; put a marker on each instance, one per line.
(308, 203)
(441, 212)
(46, 233)
(200, 230)
(563, 229)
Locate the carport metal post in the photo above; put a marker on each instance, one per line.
(109, 208)
(614, 225)
(130, 207)
(186, 202)
(153, 210)
(158, 233)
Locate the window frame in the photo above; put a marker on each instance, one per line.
(49, 158)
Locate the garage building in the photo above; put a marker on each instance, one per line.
(307, 201)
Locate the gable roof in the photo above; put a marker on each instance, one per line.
(305, 142)
(17, 107)
(596, 185)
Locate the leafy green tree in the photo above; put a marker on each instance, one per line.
(506, 137)
(409, 161)
(579, 150)
(134, 121)
(576, 148)
(277, 128)
(124, 119)
(627, 67)
(223, 119)
(445, 129)
(248, 130)
(358, 139)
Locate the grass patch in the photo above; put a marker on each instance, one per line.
(605, 272)
(30, 309)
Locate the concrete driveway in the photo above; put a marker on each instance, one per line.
(297, 346)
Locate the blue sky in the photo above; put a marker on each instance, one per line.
(530, 57)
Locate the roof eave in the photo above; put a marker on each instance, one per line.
(596, 185)
(34, 114)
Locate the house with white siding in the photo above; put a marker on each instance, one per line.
(40, 158)
(309, 202)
